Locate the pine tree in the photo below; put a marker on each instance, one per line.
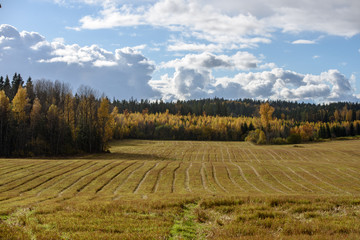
(15, 84)
(7, 86)
(30, 90)
(2, 83)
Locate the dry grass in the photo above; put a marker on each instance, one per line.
(147, 189)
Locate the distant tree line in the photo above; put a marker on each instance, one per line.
(301, 112)
(265, 129)
(45, 118)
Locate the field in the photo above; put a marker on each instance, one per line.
(186, 190)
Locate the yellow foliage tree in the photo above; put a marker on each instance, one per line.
(337, 115)
(106, 122)
(35, 115)
(19, 104)
(262, 138)
(266, 112)
(4, 104)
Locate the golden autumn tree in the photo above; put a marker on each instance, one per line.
(349, 115)
(105, 123)
(266, 112)
(19, 104)
(4, 107)
(35, 116)
(337, 115)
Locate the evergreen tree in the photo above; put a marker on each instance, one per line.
(30, 90)
(2, 83)
(7, 86)
(352, 129)
(15, 84)
(357, 128)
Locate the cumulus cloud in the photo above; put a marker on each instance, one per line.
(275, 84)
(123, 73)
(240, 24)
(193, 78)
(207, 60)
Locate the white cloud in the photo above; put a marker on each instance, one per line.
(235, 24)
(206, 60)
(332, 17)
(193, 78)
(303, 41)
(123, 73)
(184, 16)
(104, 63)
(275, 84)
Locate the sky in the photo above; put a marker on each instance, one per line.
(304, 50)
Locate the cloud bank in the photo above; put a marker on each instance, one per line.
(193, 78)
(124, 73)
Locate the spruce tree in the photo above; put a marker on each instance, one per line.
(2, 83)
(7, 86)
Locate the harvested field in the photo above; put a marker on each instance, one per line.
(145, 189)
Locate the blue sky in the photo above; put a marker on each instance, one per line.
(185, 49)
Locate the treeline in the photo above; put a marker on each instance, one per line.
(265, 129)
(301, 112)
(45, 118)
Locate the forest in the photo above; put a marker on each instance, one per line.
(44, 118)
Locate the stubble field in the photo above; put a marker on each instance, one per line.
(186, 190)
